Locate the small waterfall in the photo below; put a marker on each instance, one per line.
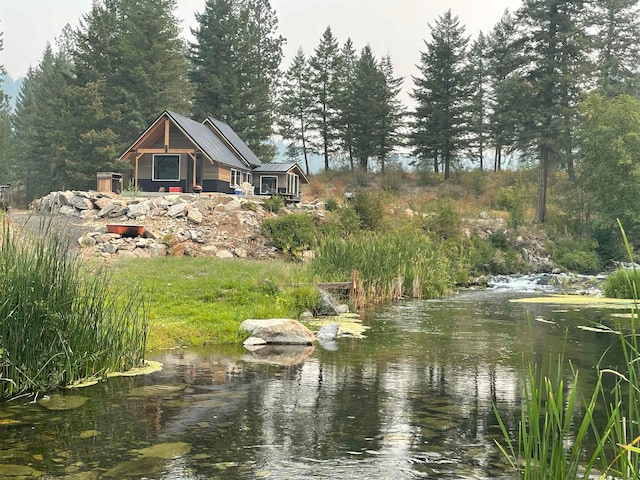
(548, 283)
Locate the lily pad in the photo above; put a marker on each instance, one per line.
(349, 323)
(579, 300)
(149, 367)
(89, 434)
(62, 402)
(139, 468)
(9, 471)
(166, 450)
(8, 421)
(156, 390)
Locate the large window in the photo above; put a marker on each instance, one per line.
(166, 167)
(268, 185)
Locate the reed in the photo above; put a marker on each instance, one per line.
(554, 423)
(391, 265)
(59, 322)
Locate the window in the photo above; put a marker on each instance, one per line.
(247, 177)
(236, 178)
(166, 167)
(293, 183)
(268, 185)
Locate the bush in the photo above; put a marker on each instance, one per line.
(331, 204)
(368, 206)
(621, 283)
(291, 233)
(273, 204)
(249, 206)
(576, 255)
(444, 222)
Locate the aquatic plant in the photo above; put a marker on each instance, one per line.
(621, 284)
(553, 427)
(60, 322)
(390, 265)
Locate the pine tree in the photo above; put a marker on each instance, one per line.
(324, 66)
(441, 94)
(392, 112)
(345, 85)
(5, 127)
(554, 50)
(367, 107)
(295, 109)
(508, 92)
(616, 44)
(235, 63)
(478, 106)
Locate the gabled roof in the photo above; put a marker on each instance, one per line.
(281, 167)
(236, 142)
(210, 144)
(213, 143)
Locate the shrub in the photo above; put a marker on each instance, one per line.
(444, 222)
(273, 204)
(576, 255)
(249, 206)
(331, 204)
(368, 206)
(620, 284)
(291, 233)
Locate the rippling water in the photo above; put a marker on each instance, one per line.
(412, 400)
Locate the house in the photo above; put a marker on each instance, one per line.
(176, 153)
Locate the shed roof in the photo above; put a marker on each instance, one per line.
(281, 167)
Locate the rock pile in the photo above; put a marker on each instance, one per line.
(225, 226)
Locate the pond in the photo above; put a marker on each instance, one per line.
(411, 400)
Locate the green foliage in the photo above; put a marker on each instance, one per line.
(511, 199)
(368, 206)
(622, 284)
(60, 323)
(444, 221)
(274, 203)
(493, 256)
(575, 255)
(235, 61)
(331, 204)
(391, 264)
(291, 233)
(249, 206)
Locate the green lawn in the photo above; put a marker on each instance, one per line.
(197, 301)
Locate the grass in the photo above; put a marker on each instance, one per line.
(198, 301)
(60, 323)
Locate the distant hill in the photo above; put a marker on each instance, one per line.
(11, 87)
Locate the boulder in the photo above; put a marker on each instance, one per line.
(194, 216)
(81, 203)
(224, 254)
(177, 210)
(327, 305)
(328, 332)
(280, 331)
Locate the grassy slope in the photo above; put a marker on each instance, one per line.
(196, 301)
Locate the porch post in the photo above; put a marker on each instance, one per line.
(135, 173)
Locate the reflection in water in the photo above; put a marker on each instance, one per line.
(412, 400)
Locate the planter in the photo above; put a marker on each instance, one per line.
(126, 230)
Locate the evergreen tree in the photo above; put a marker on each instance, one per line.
(478, 106)
(324, 67)
(441, 94)
(367, 108)
(5, 127)
(295, 109)
(392, 112)
(345, 86)
(616, 43)
(235, 63)
(554, 50)
(508, 93)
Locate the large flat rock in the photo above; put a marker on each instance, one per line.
(278, 331)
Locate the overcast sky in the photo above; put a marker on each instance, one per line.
(396, 27)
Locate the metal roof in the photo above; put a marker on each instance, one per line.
(207, 140)
(236, 141)
(275, 167)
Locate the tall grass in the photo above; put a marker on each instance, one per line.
(60, 323)
(554, 423)
(551, 436)
(390, 265)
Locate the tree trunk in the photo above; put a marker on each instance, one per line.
(446, 159)
(543, 175)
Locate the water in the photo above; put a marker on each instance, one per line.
(412, 400)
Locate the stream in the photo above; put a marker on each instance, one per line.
(411, 400)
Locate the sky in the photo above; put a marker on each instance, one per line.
(395, 27)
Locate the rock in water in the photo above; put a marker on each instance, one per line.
(327, 332)
(283, 331)
(326, 305)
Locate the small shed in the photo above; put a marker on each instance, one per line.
(109, 182)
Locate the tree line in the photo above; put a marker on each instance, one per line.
(515, 90)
